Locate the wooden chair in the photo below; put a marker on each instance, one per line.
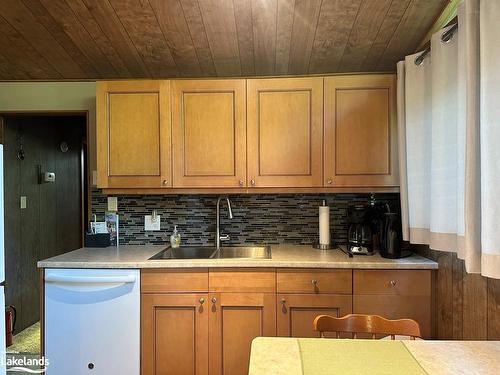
(372, 324)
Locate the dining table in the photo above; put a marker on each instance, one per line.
(324, 356)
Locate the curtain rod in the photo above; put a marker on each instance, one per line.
(446, 37)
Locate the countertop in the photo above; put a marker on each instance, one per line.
(293, 256)
(282, 356)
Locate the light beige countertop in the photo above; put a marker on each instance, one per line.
(286, 356)
(294, 256)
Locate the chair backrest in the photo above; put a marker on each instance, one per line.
(372, 324)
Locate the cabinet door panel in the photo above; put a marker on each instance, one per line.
(235, 320)
(133, 131)
(296, 312)
(285, 132)
(174, 334)
(397, 307)
(209, 133)
(360, 131)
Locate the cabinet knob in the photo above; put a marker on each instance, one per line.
(314, 282)
(202, 301)
(165, 182)
(252, 182)
(214, 300)
(393, 282)
(329, 181)
(240, 182)
(283, 301)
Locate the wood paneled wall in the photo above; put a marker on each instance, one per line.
(51, 222)
(467, 306)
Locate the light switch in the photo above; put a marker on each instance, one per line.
(112, 204)
(150, 224)
(23, 202)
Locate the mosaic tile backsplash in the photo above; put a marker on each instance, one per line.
(258, 219)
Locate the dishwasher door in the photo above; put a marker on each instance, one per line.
(92, 321)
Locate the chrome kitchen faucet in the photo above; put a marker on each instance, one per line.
(218, 236)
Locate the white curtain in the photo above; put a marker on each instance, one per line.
(450, 158)
(489, 17)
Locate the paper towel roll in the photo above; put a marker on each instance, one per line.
(324, 225)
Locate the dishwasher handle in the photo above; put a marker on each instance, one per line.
(71, 279)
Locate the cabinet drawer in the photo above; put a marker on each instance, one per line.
(252, 280)
(174, 280)
(392, 282)
(314, 281)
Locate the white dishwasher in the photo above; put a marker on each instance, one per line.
(92, 321)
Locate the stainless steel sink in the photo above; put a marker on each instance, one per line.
(186, 252)
(243, 252)
(204, 252)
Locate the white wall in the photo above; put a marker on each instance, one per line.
(53, 96)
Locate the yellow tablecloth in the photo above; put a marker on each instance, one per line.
(350, 357)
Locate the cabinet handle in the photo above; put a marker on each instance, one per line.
(240, 182)
(283, 301)
(214, 300)
(329, 181)
(165, 182)
(202, 301)
(393, 282)
(252, 182)
(314, 282)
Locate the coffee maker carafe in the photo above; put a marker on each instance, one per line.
(359, 234)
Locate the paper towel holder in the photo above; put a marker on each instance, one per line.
(324, 247)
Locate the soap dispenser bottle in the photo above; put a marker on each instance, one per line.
(175, 238)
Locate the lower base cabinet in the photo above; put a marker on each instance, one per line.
(296, 312)
(174, 334)
(202, 322)
(235, 320)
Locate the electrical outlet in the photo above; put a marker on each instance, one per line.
(23, 202)
(150, 224)
(112, 204)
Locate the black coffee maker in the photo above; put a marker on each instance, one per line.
(359, 233)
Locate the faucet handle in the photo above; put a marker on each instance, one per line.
(224, 237)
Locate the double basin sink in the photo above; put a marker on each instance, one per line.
(205, 252)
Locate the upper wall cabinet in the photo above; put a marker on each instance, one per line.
(133, 134)
(209, 133)
(360, 131)
(285, 126)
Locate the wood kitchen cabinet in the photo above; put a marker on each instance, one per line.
(285, 127)
(209, 133)
(305, 293)
(360, 142)
(296, 312)
(202, 321)
(133, 134)
(394, 294)
(174, 334)
(235, 320)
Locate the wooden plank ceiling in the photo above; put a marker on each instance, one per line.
(92, 39)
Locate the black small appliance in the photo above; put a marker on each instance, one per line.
(360, 233)
(390, 246)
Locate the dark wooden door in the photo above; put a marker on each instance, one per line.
(51, 223)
